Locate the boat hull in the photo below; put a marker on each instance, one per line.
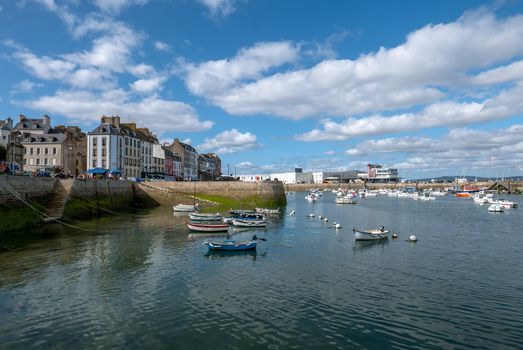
(372, 235)
(185, 208)
(208, 228)
(204, 217)
(249, 223)
(232, 246)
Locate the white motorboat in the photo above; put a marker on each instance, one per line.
(208, 227)
(506, 204)
(496, 208)
(370, 235)
(186, 208)
(345, 200)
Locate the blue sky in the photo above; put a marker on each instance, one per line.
(430, 87)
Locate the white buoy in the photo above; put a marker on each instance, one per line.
(338, 226)
(311, 215)
(334, 223)
(320, 217)
(413, 238)
(394, 236)
(326, 220)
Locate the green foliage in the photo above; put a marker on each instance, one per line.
(15, 218)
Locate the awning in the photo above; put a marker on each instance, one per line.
(97, 171)
(115, 171)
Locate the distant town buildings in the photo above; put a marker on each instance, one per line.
(113, 148)
(378, 174)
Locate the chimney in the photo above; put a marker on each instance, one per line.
(21, 118)
(116, 121)
(47, 120)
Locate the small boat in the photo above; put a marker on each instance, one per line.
(345, 200)
(208, 227)
(241, 211)
(370, 235)
(205, 217)
(249, 223)
(231, 245)
(268, 211)
(507, 204)
(496, 208)
(186, 208)
(228, 220)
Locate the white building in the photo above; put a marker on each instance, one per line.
(376, 173)
(254, 177)
(318, 177)
(6, 127)
(158, 159)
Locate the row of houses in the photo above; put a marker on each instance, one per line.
(116, 148)
(375, 173)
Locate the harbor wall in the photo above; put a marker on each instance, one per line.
(233, 193)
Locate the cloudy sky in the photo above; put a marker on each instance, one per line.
(430, 87)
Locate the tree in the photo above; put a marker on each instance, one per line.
(3, 153)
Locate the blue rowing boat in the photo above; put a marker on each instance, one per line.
(231, 245)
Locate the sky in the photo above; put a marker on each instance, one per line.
(432, 88)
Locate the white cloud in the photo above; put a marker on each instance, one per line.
(457, 149)
(161, 46)
(230, 141)
(116, 6)
(147, 85)
(158, 114)
(26, 86)
(433, 63)
(219, 8)
(245, 165)
(506, 104)
(212, 77)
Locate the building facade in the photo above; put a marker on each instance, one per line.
(376, 173)
(6, 127)
(189, 159)
(206, 168)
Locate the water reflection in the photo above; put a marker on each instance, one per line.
(213, 254)
(364, 245)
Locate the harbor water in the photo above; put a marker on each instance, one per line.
(139, 281)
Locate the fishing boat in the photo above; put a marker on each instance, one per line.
(249, 223)
(241, 211)
(207, 227)
(496, 208)
(345, 200)
(268, 211)
(231, 245)
(370, 235)
(205, 217)
(186, 208)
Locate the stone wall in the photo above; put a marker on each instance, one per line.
(169, 193)
(32, 188)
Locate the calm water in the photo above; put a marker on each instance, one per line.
(139, 282)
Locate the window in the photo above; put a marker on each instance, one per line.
(94, 163)
(54, 161)
(46, 150)
(38, 161)
(126, 151)
(38, 151)
(54, 150)
(25, 161)
(46, 161)
(31, 161)
(25, 150)
(103, 163)
(126, 141)
(30, 151)
(104, 141)
(95, 141)
(103, 152)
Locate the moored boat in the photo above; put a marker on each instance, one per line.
(370, 235)
(249, 223)
(186, 207)
(205, 217)
(496, 208)
(268, 211)
(231, 245)
(208, 227)
(345, 200)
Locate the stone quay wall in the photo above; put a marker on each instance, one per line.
(30, 188)
(169, 193)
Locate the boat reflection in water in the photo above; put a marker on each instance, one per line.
(365, 245)
(213, 254)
